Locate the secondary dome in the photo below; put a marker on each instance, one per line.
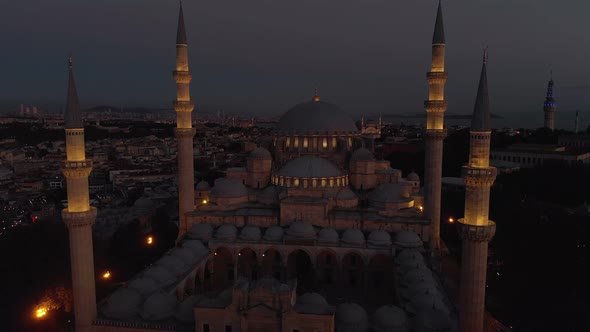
(309, 167)
(316, 117)
(229, 188)
(273, 234)
(250, 233)
(413, 176)
(173, 263)
(260, 153)
(226, 232)
(390, 318)
(351, 317)
(362, 154)
(379, 238)
(301, 230)
(312, 303)
(328, 236)
(353, 237)
(145, 286)
(389, 193)
(408, 239)
(203, 185)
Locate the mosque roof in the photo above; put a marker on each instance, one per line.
(250, 233)
(159, 306)
(202, 185)
(273, 234)
(226, 232)
(389, 193)
(390, 318)
(431, 318)
(145, 286)
(228, 188)
(313, 303)
(123, 303)
(413, 176)
(202, 232)
(362, 154)
(316, 117)
(353, 236)
(301, 229)
(260, 153)
(379, 238)
(346, 193)
(309, 167)
(328, 236)
(408, 239)
(351, 317)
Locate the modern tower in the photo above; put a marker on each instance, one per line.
(549, 106)
(79, 215)
(436, 105)
(184, 128)
(475, 229)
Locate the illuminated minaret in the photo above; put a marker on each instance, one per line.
(549, 106)
(475, 229)
(436, 105)
(184, 128)
(79, 215)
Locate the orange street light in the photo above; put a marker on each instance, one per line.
(150, 240)
(40, 312)
(204, 201)
(106, 275)
(451, 220)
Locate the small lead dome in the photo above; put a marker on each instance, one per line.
(351, 317)
(408, 239)
(353, 237)
(124, 303)
(260, 153)
(226, 232)
(390, 318)
(229, 188)
(250, 233)
(362, 154)
(159, 306)
(273, 234)
(379, 238)
(328, 236)
(203, 232)
(301, 229)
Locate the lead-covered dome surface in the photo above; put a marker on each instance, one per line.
(316, 117)
(260, 153)
(250, 233)
(312, 303)
(229, 188)
(328, 236)
(362, 154)
(302, 230)
(159, 306)
(124, 303)
(390, 318)
(379, 238)
(351, 317)
(273, 233)
(309, 167)
(353, 237)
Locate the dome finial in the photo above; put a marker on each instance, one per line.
(485, 55)
(316, 97)
(70, 62)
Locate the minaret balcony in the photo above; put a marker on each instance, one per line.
(437, 77)
(436, 106)
(435, 133)
(183, 106)
(475, 177)
(76, 169)
(476, 233)
(182, 76)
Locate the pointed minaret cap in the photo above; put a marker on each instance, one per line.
(481, 112)
(72, 116)
(316, 97)
(181, 32)
(439, 31)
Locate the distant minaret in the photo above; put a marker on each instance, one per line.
(184, 128)
(79, 215)
(549, 106)
(475, 229)
(436, 105)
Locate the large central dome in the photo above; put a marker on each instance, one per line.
(316, 117)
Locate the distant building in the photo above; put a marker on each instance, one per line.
(531, 155)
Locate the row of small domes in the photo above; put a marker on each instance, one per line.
(305, 231)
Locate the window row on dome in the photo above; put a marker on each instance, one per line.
(298, 182)
(315, 143)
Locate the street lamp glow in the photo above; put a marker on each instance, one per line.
(40, 312)
(150, 240)
(106, 275)
(451, 220)
(204, 201)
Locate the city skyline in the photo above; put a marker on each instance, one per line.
(242, 65)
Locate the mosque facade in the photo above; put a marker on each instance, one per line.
(314, 234)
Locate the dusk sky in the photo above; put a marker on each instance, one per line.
(367, 56)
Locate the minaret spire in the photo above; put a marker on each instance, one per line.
(436, 105)
(72, 118)
(475, 229)
(184, 128)
(481, 111)
(79, 215)
(438, 37)
(316, 96)
(549, 106)
(181, 32)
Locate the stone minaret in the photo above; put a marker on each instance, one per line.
(436, 105)
(475, 229)
(549, 107)
(184, 128)
(79, 215)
